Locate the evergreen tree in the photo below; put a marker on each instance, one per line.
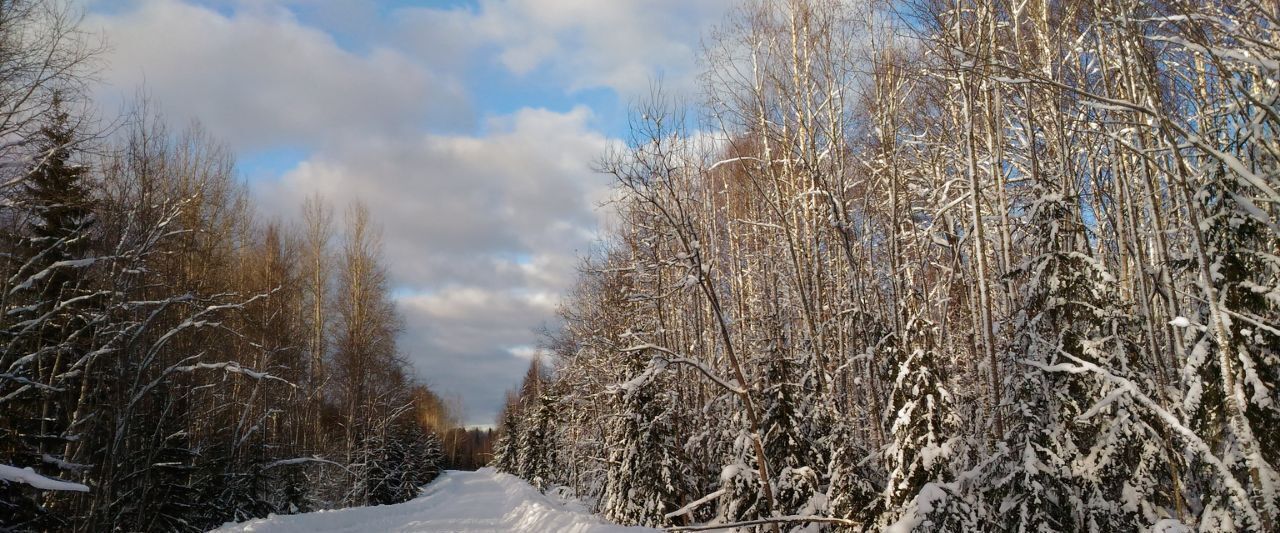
(924, 422)
(536, 443)
(648, 475)
(505, 453)
(743, 497)
(1032, 484)
(1081, 454)
(791, 451)
(1122, 469)
(405, 458)
(853, 492)
(49, 326)
(1245, 274)
(784, 441)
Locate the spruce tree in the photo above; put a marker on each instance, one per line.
(1080, 454)
(1031, 487)
(648, 474)
(401, 462)
(923, 421)
(1245, 273)
(536, 443)
(743, 497)
(505, 453)
(791, 452)
(49, 324)
(1120, 466)
(853, 492)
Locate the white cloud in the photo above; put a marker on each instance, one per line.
(524, 352)
(258, 78)
(619, 44)
(472, 342)
(459, 208)
(482, 233)
(483, 230)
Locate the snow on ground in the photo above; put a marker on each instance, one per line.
(457, 501)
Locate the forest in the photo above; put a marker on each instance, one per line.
(934, 265)
(170, 359)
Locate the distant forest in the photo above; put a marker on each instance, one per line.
(169, 360)
(935, 265)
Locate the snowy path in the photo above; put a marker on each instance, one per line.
(456, 502)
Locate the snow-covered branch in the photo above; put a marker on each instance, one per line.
(767, 521)
(675, 358)
(28, 476)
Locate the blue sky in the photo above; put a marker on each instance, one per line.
(468, 126)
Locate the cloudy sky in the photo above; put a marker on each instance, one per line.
(468, 126)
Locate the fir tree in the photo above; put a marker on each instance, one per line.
(648, 475)
(505, 453)
(853, 492)
(50, 325)
(536, 443)
(1032, 487)
(924, 422)
(1245, 273)
(792, 455)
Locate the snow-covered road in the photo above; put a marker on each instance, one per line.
(484, 500)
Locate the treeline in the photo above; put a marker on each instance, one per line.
(168, 361)
(937, 266)
(467, 448)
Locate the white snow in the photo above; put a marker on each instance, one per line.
(1170, 525)
(930, 495)
(30, 477)
(1180, 322)
(485, 500)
